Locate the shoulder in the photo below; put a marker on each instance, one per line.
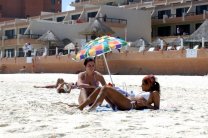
(98, 73)
(155, 94)
(81, 74)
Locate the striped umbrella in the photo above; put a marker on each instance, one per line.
(100, 46)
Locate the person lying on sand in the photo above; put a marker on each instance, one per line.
(149, 99)
(61, 86)
(89, 80)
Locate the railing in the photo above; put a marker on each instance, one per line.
(19, 39)
(113, 20)
(183, 17)
(37, 52)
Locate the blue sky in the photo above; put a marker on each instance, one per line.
(65, 5)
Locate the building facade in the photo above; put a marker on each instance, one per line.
(27, 8)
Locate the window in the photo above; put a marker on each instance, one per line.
(164, 31)
(180, 11)
(184, 29)
(9, 33)
(53, 2)
(21, 53)
(197, 26)
(164, 12)
(200, 9)
(60, 19)
(22, 31)
(75, 17)
(91, 14)
(8, 51)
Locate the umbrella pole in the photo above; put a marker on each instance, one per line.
(107, 68)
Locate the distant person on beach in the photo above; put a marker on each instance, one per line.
(119, 100)
(25, 49)
(30, 48)
(61, 86)
(88, 81)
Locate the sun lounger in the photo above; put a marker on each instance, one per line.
(169, 48)
(141, 49)
(178, 47)
(196, 47)
(151, 49)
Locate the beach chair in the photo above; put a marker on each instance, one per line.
(196, 47)
(178, 47)
(151, 49)
(169, 48)
(142, 48)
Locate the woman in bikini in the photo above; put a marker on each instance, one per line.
(88, 81)
(61, 86)
(149, 99)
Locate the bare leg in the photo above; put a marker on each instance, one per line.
(82, 96)
(90, 99)
(115, 98)
(47, 86)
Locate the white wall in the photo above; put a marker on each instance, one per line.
(62, 31)
(138, 21)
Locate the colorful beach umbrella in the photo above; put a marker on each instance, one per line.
(100, 46)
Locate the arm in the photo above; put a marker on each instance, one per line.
(101, 78)
(59, 87)
(81, 83)
(155, 100)
(47, 86)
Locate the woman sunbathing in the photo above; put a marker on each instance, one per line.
(149, 99)
(61, 86)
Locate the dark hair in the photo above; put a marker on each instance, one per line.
(155, 87)
(89, 59)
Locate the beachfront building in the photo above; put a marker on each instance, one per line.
(169, 17)
(66, 26)
(11, 9)
(129, 19)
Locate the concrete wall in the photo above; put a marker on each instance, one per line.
(22, 8)
(158, 62)
(139, 21)
(62, 31)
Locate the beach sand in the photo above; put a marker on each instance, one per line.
(40, 113)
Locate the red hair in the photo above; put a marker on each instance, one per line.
(150, 79)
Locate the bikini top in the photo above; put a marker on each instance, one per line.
(145, 95)
(94, 83)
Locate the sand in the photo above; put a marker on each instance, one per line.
(40, 113)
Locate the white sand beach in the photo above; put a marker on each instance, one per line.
(40, 113)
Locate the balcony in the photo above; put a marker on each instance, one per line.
(20, 40)
(172, 19)
(90, 2)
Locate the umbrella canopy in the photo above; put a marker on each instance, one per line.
(69, 46)
(100, 46)
(97, 28)
(176, 42)
(157, 42)
(48, 36)
(201, 32)
(139, 42)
